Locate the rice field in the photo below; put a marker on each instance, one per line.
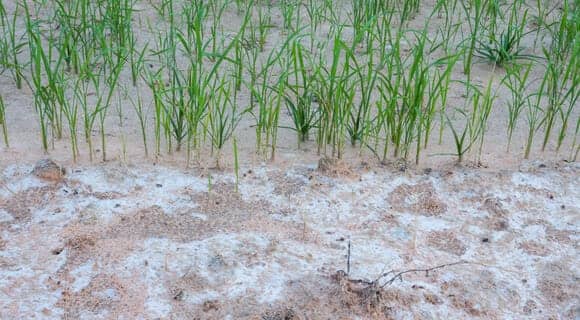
(389, 78)
(236, 94)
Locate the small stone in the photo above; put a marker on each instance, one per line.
(47, 169)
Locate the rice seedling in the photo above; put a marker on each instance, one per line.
(516, 80)
(161, 8)
(216, 14)
(3, 122)
(562, 81)
(483, 112)
(299, 97)
(408, 9)
(49, 95)
(387, 98)
(533, 114)
(290, 10)
(359, 117)
(11, 46)
(474, 12)
(236, 164)
(82, 92)
(540, 20)
(407, 91)
(575, 148)
(460, 138)
(265, 96)
(222, 119)
(507, 47)
(364, 12)
(264, 25)
(438, 94)
(335, 95)
(315, 10)
(70, 111)
(154, 82)
(136, 59)
(564, 33)
(104, 100)
(570, 94)
(142, 117)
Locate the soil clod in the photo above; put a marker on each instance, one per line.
(49, 170)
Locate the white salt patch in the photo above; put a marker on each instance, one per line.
(424, 223)
(83, 275)
(519, 178)
(94, 178)
(5, 216)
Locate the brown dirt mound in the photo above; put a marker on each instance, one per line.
(419, 198)
(23, 203)
(334, 167)
(106, 295)
(446, 241)
(47, 169)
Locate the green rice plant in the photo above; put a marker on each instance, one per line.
(161, 8)
(406, 93)
(564, 33)
(449, 30)
(570, 92)
(216, 14)
(70, 111)
(47, 84)
(290, 10)
(236, 165)
(561, 88)
(493, 13)
(474, 13)
(364, 12)
(475, 127)
(299, 97)
(516, 80)
(335, 95)
(142, 117)
(540, 20)
(222, 119)
(483, 112)
(136, 59)
(105, 97)
(264, 26)
(202, 81)
(408, 9)
(315, 10)
(575, 148)
(533, 118)
(69, 31)
(175, 108)
(118, 15)
(268, 100)
(460, 138)
(507, 48)
(3, 122)
(82, 93)
(154, 82)
(264, 96)
(438, 90)
(359, 118)
(11, 46)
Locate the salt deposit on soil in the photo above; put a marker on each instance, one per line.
(150, 242)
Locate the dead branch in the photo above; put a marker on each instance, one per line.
(399, 276)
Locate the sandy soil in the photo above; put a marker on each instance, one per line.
(147, 238)
(152, 242)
